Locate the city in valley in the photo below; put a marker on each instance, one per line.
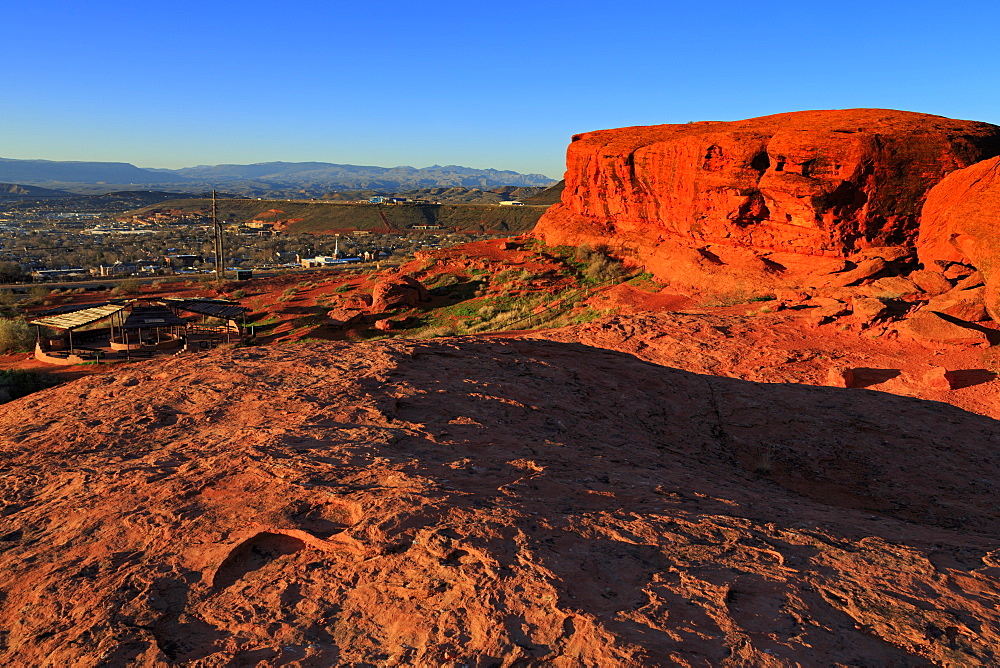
(149, 234)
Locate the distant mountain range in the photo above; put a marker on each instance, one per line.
(274, 179)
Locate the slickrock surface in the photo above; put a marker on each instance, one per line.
(782, 347)
(490, 502)
(814, 182)
(959, 224)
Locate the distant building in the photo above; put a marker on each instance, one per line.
(511, 202)
(181, 260)
(51, 274)
(326, 261)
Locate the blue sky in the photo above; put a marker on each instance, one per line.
(181, 83)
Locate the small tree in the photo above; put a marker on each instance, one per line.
(130, 286)
(7, 298)
(15, 336)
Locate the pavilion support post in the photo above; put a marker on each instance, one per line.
(70, 341)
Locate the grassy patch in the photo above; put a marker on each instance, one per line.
(739, 295)
(645, 281)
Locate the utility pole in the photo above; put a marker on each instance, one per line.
(220, 266)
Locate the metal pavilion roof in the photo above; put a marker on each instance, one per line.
(216, 308)
(70, 308)
(152, 317)
(80, 318)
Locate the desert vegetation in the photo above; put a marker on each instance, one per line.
(15, 384)
(15, 336)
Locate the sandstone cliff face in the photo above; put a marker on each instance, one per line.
(959, 224)
(816, 182)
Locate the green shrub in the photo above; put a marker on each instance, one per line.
(601, 268)
(434, 332)
(239, 294)
(37, 294)
(504, 276)
(130, 286)
(15, 336)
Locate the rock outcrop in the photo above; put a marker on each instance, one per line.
(959, 225)
(397, 291)
(814, 182)
(490, 503)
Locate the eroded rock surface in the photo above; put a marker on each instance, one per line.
(490, 502)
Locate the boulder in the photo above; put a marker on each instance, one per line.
(826, 313)
(869, 311)
(791, 297)
(823, 183)
(345, 317)
(894, 287)
(956, 271)
(396, 292)
(973, 280)
(962, 304)
(840, 376)
(891, 254)
(939, 378)
(933, 328)
(931, 282)
(389, 324)
(359, 300)
(865, 270)
(958, 224)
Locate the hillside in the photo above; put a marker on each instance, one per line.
(549, 196)
(319, 217)
(16, 190)
(112, 202)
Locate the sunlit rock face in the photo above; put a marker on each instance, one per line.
(959, 224)
(815, 182)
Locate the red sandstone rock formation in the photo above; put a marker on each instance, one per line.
(959, 225)
(815, 182)
(395, 291)
(344, 318)
(489, 502)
